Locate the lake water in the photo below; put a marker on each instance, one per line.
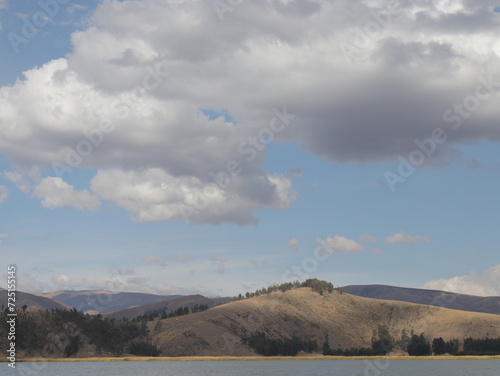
(261, 368)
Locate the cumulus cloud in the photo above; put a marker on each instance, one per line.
(341, 244)
(154, 260)
(486, 284)
(135, 104)
(154, 195)
(4, 193)
(22, 182)
(403, 237)
(55, 192)
(294, 244)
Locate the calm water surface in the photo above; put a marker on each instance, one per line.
(263, 368)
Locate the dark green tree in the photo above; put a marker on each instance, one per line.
(438, 346)
(419, 346)
(384, 343)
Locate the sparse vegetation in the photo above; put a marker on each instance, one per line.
(315, 284)
(382, 343)
(164, 313)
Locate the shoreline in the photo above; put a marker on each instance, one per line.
(254, 358)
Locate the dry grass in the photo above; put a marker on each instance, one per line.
(218, 358)
(349, 321)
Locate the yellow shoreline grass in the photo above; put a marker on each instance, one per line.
(218, 358)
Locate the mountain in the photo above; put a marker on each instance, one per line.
(168, 305)
(33, 302)
(103, 301)
(430, 297)
(296, 315)
(348, 320)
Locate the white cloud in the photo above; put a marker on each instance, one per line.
(215, 257)
(342, 244)
(219, 262)
(152, 91)
(486, 284)
(403, 237)
(294, 244)
(154, 260)
(183, 258)
(22, 182)
(55, 192)
(154, 195)
(123, 271)
(4, 193)
(110, 282)
(367, 238)
(64, 282)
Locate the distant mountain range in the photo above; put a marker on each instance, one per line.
(132, 304)
(33, 302)
(344, 319)
(103, 301)
(429, 297)
(169, 305)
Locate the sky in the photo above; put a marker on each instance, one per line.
(216, 147)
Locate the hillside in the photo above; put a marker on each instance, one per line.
(103, 301)
(33, 302)
(297, 315)
(430, 297)
(349, 321)
(164, 305)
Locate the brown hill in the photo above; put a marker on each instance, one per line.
(463, 302)
(168, 305)
(349, 321)
(34, 302)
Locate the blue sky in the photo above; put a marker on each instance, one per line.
(310, 127)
